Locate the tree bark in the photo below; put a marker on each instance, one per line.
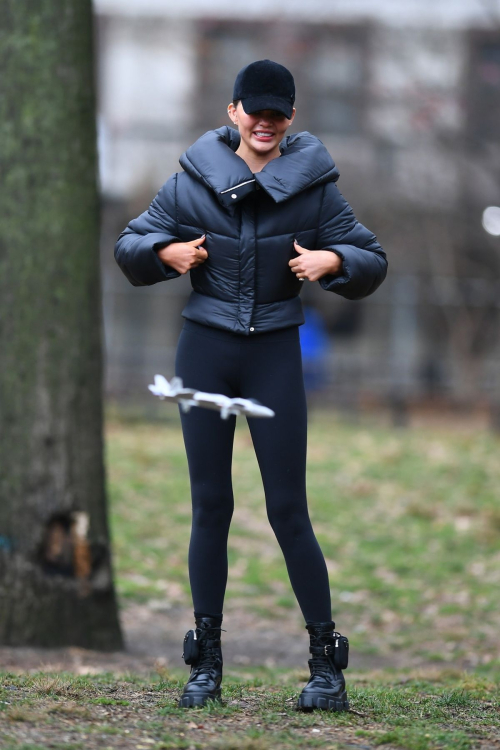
(56, 581)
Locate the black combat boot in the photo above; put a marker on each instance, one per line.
(202, 650)
(326, 686)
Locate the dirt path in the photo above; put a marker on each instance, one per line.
(155, 638)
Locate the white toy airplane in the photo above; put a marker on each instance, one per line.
(187, 397)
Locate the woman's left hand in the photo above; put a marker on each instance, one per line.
(313, 264)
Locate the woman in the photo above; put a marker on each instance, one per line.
(254, 214)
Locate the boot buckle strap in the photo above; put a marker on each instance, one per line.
(327, 650)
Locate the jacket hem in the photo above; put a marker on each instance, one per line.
(219, 313)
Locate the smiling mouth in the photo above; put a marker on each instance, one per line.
(263, 134)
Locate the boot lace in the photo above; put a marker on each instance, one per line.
(321, 667)
(208, 654)
(207, 660)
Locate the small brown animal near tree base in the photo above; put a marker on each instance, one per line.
(56, 580)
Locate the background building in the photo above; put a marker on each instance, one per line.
(406, 96)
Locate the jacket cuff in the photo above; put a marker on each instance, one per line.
(170, 273)
(136, 256)
(330, 282)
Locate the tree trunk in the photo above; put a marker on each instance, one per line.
(56, 581)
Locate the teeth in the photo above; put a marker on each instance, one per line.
(262, 133)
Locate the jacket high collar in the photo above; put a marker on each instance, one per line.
(212, 160)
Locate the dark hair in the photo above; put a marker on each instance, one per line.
(235, 102)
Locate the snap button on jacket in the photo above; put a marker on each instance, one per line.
(250, 222)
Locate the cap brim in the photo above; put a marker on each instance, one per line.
(266, 101)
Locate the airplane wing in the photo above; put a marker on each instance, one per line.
(250, 407)
(211, 400)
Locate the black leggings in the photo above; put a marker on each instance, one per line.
(268, 367)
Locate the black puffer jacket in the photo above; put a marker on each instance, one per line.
(250, 222)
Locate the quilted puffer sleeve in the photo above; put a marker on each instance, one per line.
(135, 249)
(364, 264)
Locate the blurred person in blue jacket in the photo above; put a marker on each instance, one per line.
(315, 345)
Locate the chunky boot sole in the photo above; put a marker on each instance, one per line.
(200, 699)
(323, 702)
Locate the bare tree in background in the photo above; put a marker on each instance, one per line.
(452, 174)
(464, 264)
(56, 583)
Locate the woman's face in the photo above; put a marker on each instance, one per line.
(262, 131)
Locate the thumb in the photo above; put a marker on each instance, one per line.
(299, 248)
(196, 242)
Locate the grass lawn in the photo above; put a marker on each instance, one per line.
(409, 522)
(100, 712)
(410, 525)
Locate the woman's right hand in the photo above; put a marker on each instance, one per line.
(183, 256)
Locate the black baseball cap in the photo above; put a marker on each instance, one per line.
(265, 84)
